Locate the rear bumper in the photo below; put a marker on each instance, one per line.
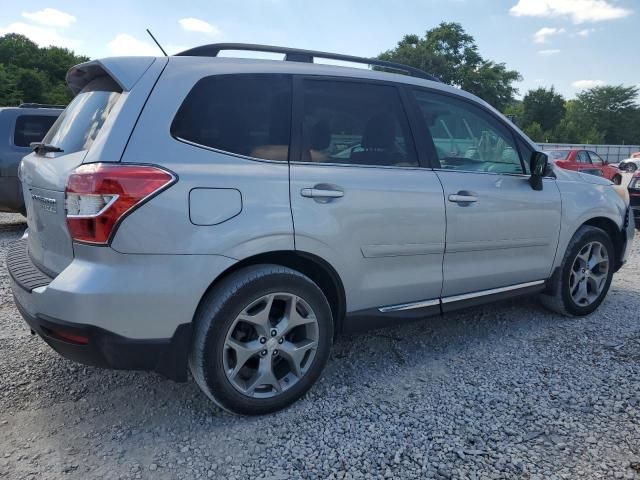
(108, 350)
(131, 312)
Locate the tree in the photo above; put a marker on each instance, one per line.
(611, 110)
(543, 106)
(535, 132)
(32, 74)
(451, 54)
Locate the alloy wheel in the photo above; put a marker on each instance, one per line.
(589, 273)
(270, 345)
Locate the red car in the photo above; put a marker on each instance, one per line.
(585, 161)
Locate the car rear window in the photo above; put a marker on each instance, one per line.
(79, 124)
(31, 128)
(247, 115)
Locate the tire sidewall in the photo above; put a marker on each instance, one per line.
(212, 361)
(590, 235)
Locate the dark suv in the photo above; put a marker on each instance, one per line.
(19, 127)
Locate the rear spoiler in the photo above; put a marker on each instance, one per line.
(125, 71)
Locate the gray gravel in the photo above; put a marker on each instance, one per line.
(503, 391)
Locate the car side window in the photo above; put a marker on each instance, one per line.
(583, 157)
(247, 115)
(595, 159)
(355, 123)
(466, 137)
(31, 128)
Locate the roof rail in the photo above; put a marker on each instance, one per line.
(40, 105)
(305, 56)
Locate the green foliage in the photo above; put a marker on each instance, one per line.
(451, 54)
(535, 132)
(32, 74)
(600, 115)
(612, 110)
(544, 107)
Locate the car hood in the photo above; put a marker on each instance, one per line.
(572, 175)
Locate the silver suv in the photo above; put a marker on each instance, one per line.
(232, 216)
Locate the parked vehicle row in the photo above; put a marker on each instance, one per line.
(231, 216)
(585, 161)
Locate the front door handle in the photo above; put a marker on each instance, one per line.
(321, 193)
(463, 198)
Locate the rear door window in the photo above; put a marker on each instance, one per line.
(583, 157)
(31, 128)
(355, 123)
(248, 115)
(79, 124)
(595, 159)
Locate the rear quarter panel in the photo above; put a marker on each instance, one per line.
(163, 225)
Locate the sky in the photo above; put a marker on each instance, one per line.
(568, 44)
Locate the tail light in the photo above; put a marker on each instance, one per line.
(100, 195)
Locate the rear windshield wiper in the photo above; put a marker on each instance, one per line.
(40, 147)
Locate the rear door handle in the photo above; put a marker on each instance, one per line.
(321, 193)
(463, 198)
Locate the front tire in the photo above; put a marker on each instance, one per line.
(584, 277)
(617, 179)
(261, 339)
(630, 167)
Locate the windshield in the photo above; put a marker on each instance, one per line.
(557, 154)
(79, 124)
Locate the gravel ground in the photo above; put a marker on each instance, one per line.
(502, 391)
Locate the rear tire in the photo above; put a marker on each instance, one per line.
(617, 179)
(584, 277)
(630, 167)
(261, 339)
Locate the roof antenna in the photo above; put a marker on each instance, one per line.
(157, 43)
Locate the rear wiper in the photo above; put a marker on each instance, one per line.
(40, 147)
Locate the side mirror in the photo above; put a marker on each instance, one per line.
(538, 166)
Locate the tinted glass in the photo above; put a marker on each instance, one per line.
(356, 124)
(525, 153)
(583, 157)
(595, 159)
(79, 124)
(243, 114)
(466, 137)
(31, 128)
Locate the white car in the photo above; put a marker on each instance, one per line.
(630, 164)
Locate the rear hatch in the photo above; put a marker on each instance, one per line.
(96, 125)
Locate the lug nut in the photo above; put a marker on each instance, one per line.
(263, 340)
(263, 353)
(274, 332)
(281, 340)
(275, 353)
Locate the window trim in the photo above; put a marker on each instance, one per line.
(291, 78)
(295, 150)
(435, 161)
